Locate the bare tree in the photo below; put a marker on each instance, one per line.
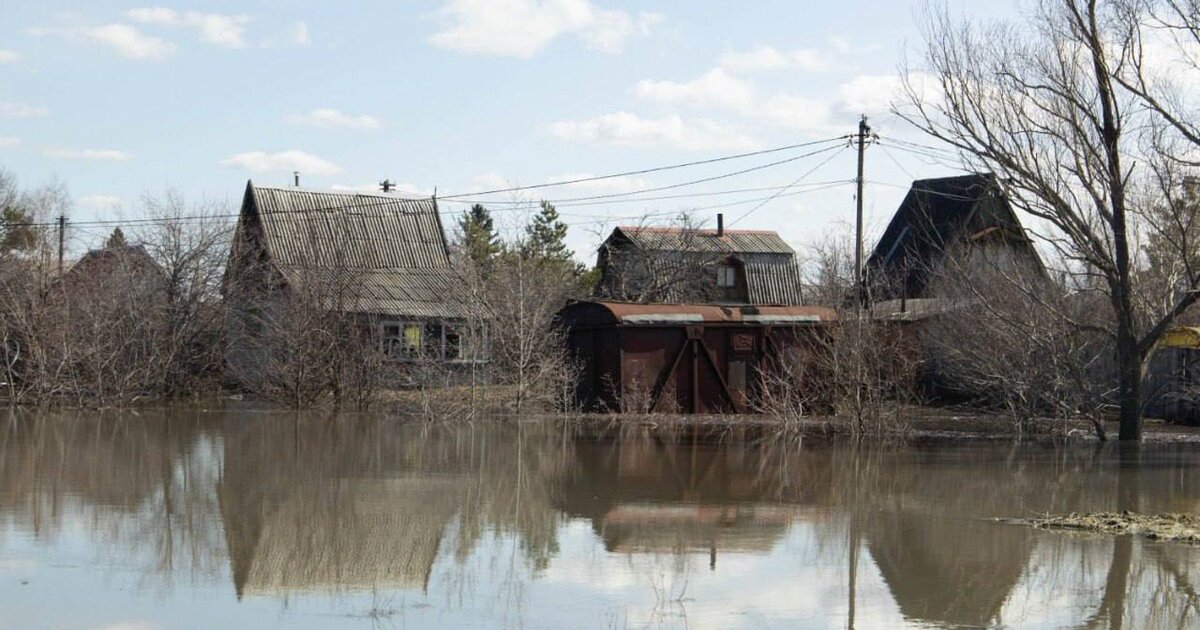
(1058, 105)
(681, 267)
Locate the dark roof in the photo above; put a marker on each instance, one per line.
(130, 260)
(935, 214)
(393, 245)
(707, 241)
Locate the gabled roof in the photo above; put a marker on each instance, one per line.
(131, 262)
(393, 245)
(360, 230)
(707, 241)
(935, 214)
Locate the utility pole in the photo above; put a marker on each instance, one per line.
(62, 229)
(859, 298)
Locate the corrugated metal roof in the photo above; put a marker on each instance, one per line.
(707, 241)
(393, 247)
(771, 273)
(355, 230)
(771, 281)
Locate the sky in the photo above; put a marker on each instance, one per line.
(122, 99)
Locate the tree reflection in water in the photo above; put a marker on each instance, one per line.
(523, 524)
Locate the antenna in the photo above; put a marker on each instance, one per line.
(387, 185)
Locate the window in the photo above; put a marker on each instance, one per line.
(727, 276)
(401, 340)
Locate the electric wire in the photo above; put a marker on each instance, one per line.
(391, 200)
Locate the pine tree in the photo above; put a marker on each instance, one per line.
(16, 233)
(545, 236)
(116, 240)
(477, 236)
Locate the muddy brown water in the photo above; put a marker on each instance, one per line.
(253, 520)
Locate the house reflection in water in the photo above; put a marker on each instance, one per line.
(951, 571)
(333, 510)
(685, 492)
(300, 518)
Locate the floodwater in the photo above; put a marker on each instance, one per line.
(253, 520)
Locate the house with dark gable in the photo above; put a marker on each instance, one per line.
(381, 258)
(948, 226)
(698, 266)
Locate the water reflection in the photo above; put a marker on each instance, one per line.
(190, 518)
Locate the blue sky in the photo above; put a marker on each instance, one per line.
(118, 99)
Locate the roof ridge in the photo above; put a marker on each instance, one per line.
(331, 191)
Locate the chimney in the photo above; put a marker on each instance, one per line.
(720, 224)
(296, 175)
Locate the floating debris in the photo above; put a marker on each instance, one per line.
(1174, 527)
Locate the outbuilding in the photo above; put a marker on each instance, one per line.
(689, 358)
(1172, 383)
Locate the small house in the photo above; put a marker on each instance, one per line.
(379, 258)
(118, 268)
(947, 227)
(690, 358)
(1171, 389)
(698, 266)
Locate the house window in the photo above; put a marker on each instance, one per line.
(402, 340)
(726, 276)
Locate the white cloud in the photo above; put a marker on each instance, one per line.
(111, 155)
(715, 88)
(9, 142)
(9, 109)
(126, 40)
(876, 94)
(797, 112)
(768, 58)
(8, 56)
(523, 28)
(283, 161)
(300, 34)
(326, 117)
(218, 29)
(668, 132)
(100, 202)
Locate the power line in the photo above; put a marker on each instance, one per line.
(779, 194)
(693, 182)
(392, 200)
(645, 171)
(713, 193)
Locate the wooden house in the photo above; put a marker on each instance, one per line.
(698, 266)
(947, 227)
(381, 258)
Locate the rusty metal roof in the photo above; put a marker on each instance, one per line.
(392, 246)
(672, 314)
(696, 240)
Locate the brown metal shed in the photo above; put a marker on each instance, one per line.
(689, 358)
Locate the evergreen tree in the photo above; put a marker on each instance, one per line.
(545, 236)
(116, 240)
(16, 235)
(477, 235)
